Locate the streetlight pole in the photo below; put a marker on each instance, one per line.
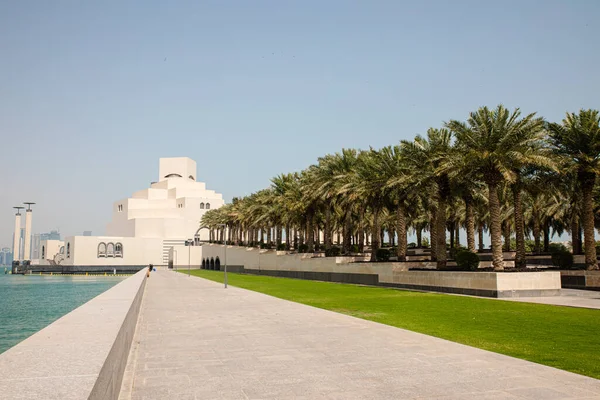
(189, 243)
(224, 254)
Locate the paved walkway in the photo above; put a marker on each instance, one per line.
(568, 297)
(196, 340)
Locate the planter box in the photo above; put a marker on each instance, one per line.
(488, 284)
(580, 279)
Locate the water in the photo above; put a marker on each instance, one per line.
(30, 303)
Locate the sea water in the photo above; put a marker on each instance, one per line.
(30, 303)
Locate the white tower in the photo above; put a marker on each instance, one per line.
(17, 236)
(27, 246)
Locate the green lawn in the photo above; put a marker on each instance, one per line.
(562, 337)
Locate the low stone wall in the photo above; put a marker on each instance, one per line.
(580, 279)
(488, 284)
(81, 355)
(397, 274)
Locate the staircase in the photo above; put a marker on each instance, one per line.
(167, 244)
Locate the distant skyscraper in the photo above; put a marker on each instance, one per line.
(87, 233)
(5, 256)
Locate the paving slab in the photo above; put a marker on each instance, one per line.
(197, 340)
(568, 298)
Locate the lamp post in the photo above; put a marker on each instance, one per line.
(189, 245)
(224, 254)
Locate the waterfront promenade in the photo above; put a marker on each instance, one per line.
(196, 340)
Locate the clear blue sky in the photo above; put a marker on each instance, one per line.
(93, 93)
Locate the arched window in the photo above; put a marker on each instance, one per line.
(119, 250)
(68, 250)
(217, 264)
(202, 206)
(173, 176)
(101, 249)
(208, 206)
(212, 263)
(43, 252)
(110, 250)
(62, 250)
(203, 263)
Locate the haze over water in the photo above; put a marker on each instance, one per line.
(30, 303)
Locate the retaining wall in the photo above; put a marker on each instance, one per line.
(81, 355)
(396, 274)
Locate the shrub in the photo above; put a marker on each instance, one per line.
(382, 255)
(412, 245)
(455, 250)
(281, 246)
(333, 252)
(562, 259)
(303, 248)
(466, 260)
(425, 242)
(354, 248)
(556, 247)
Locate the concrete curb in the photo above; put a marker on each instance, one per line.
(81, 355)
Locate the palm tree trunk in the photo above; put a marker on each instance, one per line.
(401, 227)
(392, 235)
(441, 233)
(587, 186)
(375, 233)
(480, 234)
(269, 236)
(347, 231)
(537, 247)
(419, 233)
(327, 234)
(520, 260)
(457, 234)
(361, 230)
(288, 236)
(433, 235)
(310, 231)
(451, 232)
(506, 232)
(546, 235)
(495, 227)
(575, 235)
(470, 222)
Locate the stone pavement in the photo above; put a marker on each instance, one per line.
(196, 340)
(568, 298)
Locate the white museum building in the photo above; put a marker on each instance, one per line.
(146, 226)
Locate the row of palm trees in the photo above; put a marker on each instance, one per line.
(498, 171)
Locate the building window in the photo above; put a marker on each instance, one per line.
(192, 178)
(68, 250)
(173, 176)
(202, 206)
(208, 206)
(43, 252)
(101, 249)
(119, 250)
(62, 250)
(110, 250)
(120, 207)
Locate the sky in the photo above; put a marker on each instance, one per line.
(92, 94)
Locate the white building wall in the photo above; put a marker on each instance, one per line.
(83, 250)
(50, 248)
(171, 208)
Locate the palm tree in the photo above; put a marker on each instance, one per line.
(366, 180)
(496, 144)
(577, 139)
(429, 159)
